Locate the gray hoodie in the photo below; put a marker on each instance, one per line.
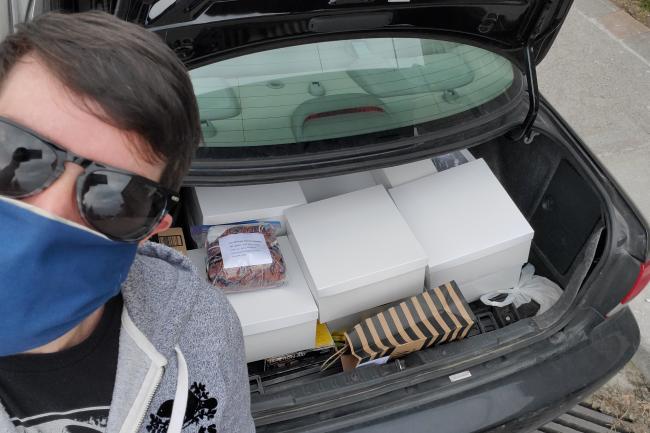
(181, 364)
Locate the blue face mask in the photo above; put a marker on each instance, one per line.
(54, 274)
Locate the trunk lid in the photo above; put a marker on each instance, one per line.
(304, 89)
(200, 30)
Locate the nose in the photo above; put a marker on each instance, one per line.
(60, 197)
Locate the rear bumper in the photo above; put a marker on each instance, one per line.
(519, 395)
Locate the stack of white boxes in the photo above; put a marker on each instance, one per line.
(354, 252)
(469, 226)
(400, 174)
(326, 187)
(231, 204)
(274, 321)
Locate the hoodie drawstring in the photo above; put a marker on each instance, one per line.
(180, 398)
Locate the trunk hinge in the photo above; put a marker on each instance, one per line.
(525, 130)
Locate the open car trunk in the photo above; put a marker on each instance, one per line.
(550, 184)
(313, 91)
(407, 81)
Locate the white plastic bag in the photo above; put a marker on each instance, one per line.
(530, 287)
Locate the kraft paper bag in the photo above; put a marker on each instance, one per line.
(436, 316)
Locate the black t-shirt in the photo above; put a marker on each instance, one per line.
(69, 390)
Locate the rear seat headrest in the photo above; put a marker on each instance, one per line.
(440, 72)
(216, 98)
(218, 105)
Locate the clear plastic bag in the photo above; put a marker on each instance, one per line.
(200, 233)
(244, 257)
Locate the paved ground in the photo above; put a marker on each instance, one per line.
(598, 77)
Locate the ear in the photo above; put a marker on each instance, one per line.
(164, 224)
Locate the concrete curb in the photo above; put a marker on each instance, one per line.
(641, 360)
(641, 308)
(619, 25)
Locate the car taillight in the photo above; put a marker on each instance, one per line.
(641, 281)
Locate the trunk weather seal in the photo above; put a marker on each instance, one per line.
(524, 132)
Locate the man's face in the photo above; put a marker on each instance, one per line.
(33, 97)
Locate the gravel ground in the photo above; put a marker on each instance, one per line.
(626, 398)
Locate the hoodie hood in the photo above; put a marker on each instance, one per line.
(181, 363)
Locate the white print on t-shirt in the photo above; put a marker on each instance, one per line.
(91, 420)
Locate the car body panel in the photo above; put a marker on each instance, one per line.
(514, 393)
(201, 30)
(544, 389)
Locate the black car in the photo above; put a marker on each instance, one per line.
(294, 90)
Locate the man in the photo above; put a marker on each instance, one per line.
(98, 123)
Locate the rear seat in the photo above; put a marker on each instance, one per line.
(218, 104)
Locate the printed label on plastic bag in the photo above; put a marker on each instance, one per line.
(244, 249)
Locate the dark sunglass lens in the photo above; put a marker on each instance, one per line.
(26, 163)
(119, 205)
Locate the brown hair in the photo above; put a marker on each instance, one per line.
(138, 83)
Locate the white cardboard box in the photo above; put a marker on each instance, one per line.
(502, 279)
(265, 202)
(394, 176)
(326, 187)
(356, 252)
(469, 227)
(275, 321)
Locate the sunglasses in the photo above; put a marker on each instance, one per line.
(121, 205)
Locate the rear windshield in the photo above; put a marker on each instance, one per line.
(345, 89)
